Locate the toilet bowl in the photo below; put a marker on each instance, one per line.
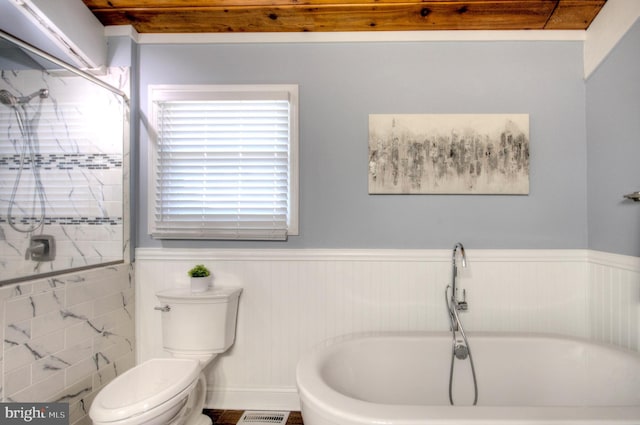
(155, 391)
(171, 391)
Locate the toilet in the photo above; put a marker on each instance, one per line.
(196, 327)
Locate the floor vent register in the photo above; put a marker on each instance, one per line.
(263, 418)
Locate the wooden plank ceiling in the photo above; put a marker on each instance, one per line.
(214, 16)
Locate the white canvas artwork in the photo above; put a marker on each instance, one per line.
(449, 154)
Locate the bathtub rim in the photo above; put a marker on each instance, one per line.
(331, 405)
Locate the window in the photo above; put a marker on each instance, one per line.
(224, 162)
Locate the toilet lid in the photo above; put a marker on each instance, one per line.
(143, 387)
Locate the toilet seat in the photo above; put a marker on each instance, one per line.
(144, 388)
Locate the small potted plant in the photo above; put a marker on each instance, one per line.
(201, 278)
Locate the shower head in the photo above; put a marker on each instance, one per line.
(6, 98)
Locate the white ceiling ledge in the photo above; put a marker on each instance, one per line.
(342, 37)
(611, 24)
(66, 26)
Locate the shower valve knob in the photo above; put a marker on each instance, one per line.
(41, 248)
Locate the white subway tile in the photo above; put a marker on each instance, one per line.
(17, 357)
(75, 391)
(20, 309)
(105, 374)
(42, 391)
(17, 333)
(17, 380)
(47, 302)
(57, 320)
(80, 370)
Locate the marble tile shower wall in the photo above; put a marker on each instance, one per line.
(66, 337)
(77, 133)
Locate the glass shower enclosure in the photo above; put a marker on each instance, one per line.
(63, 144)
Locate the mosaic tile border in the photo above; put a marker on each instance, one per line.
(67, 221)
(91, 161)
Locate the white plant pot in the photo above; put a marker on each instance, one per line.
(201, 284)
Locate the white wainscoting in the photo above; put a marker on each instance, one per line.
(614, 299)
(296, 299)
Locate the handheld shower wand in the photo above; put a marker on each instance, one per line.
(28, 144)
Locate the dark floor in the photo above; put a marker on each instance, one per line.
(231, 417)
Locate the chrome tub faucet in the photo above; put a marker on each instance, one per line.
(460, 305)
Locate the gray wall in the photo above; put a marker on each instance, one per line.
(341, 84)
(613, 134)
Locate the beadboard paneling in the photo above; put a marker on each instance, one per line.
(614, 299)
(295, 299)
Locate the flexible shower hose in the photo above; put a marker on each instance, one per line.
(27, 143)
(455, 319)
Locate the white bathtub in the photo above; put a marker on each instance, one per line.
(403, 379)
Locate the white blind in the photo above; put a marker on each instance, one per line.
(222, 169)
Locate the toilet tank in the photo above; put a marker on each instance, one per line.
(201, 323)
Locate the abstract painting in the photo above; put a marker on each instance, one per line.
(449, 154)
